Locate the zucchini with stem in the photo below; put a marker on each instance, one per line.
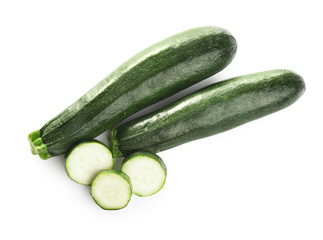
(211, 110)
(148, 77)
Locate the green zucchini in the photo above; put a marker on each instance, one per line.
(147, 173)
(150, 76)
(214, 109)
(86, 160)
(111, 189)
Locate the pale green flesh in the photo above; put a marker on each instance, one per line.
(111, 190)
(86, 160)
(146, 174)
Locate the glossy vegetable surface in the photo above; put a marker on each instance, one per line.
(209, 111)
(150, 76)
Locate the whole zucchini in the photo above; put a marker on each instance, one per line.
(209, 111)
(150, 76)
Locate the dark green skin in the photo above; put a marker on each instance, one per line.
(214, 109)
(150, 76)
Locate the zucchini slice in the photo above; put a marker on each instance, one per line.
(147, 172)
(86, 160)
(150, 76)
(111, 189)
(208, 111)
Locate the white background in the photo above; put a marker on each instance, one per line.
(263, 180)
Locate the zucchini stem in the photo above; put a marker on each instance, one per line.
(114, 145)
(37, 145)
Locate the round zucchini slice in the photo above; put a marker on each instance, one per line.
(111, 189)
(86, 160)
(147, 172)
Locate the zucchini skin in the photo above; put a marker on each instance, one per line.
(211, 110)
(150, 76)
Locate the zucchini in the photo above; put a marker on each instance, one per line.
(147, 173)
(150, 76)
(111, 189)
(211, 110)
(86, 160)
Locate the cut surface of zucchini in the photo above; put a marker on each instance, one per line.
(147, 172)
(86, 160)
(111, 189)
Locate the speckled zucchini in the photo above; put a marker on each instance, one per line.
(209, 111)
(150, 76)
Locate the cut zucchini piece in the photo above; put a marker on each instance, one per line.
(86, 160)
(111, 189)
(147, 172)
